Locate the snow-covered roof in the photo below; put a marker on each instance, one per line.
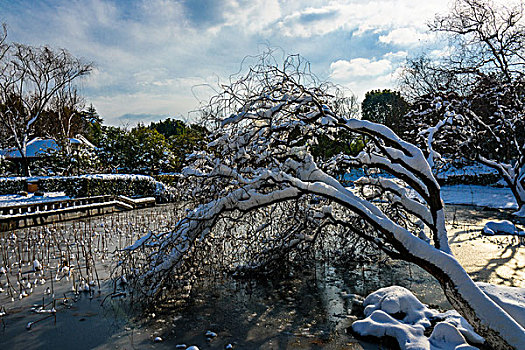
(82, 140)
(38, 147)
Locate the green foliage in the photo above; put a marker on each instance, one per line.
(113, 147)
(171, 180)
(150, 151)
(182, 139)
(67, 159)
(385, 107)
(343, 142)
(5, 166)
(169, 127)
(12, 185)
(141, 150)
(93, 124)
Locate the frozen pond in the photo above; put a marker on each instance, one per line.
(307, 310)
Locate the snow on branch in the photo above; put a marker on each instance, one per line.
(267, 171)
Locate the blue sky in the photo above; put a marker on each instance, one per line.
(157, 58)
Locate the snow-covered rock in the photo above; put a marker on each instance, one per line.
(453, 318)
(504, 227)
(394, 311)
(37, 266)
(210, 334)
(399, 300)
(445, 336)
(380, 324)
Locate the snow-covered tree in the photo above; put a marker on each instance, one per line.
(30, 78)
(487, 126)
(259, 188)
(471, 103)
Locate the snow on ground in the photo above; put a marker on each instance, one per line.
(394, 311)
(483, 196)
(15, 199)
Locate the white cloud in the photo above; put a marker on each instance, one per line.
(254, 16)
(403, 36)
(343, 70)
(443, 52)
(98, 78)
(149, 54)
(112, 107)
(360, 75)
(359, 16)
(311, 21)
(393, 56)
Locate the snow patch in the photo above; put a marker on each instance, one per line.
(10, 200)
(520, 213)
(482, 196)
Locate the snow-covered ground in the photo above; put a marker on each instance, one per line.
(483, 196)
(86, 176)
(16, 199)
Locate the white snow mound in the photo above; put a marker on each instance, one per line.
(504, 227)
(394, 311)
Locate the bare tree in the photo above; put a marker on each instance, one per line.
(30, 79)
(259, 167)
(485, 37)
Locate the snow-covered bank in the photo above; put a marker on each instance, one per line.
(483, 196)
(510, 299)
(394, 311)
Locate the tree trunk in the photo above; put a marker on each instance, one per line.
(489, 320)
(25, 166)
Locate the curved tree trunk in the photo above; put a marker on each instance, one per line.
(489, 320)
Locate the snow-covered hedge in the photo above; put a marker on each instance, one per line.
(90, 185)
(12, 185)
